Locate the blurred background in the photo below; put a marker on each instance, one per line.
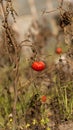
(36, 17)
(23, 6)
(32, 10)
(32, 20)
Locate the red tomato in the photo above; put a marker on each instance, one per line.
(38, 65)
(58, 50)
(43, 98)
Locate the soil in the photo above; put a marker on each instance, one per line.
(66, 126)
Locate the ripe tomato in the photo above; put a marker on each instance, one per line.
(43, 98)
(38, 65)
(58, 50)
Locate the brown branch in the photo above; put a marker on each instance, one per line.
(13, 56)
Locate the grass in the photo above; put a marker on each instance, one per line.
(62, 93)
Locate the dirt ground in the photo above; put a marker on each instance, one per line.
(66, 126)
(63, 126)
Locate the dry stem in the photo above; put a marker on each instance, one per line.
(13, 53)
